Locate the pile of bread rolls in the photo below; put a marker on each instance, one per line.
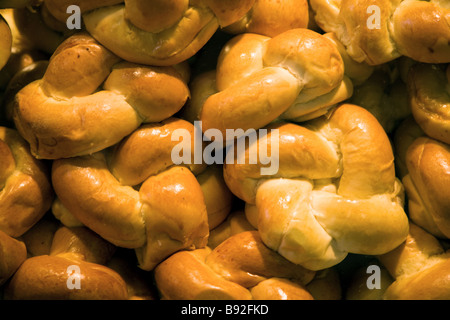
(352, 98)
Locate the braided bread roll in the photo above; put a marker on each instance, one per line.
(429, 99)
(65, 114)
(241, 267)
(335, 190)
(136, 197)
(296, 75)
(47, 277)
(420, 267)
(162, 33)
(25, 190)
(326, 284)
(378, 31)
(426, 177)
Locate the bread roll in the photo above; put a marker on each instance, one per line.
(26, 193)
(227, 272)
(88, 100)
(135, 196)
(334, 169)
(429, 99)
(73, 270)
(160, 32)
(382, 30)
(420, 267)
(269, 18)
(426, 184)
(260, 79)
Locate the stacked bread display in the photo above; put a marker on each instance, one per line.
(224, 150)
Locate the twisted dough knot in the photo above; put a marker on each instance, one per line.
(424, 164)
(420, 267)
(162, 32)
(241, 267)
(335, 191)
(65, 114)
(378, 31)
(25, 190)
(429, 97)
(144, 201)
(295, 75)
(48, 276)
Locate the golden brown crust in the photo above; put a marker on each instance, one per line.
(26, 193)
(175, 215)
(420, 267)
(326, 177)
(280, 289)
(269, 18)
(83, 242)
(145, 201)
(228, 273)
(259, 79)
(426, 184)
(181, 40)
(429, 98)
(74, 111)
(253, 262)
(73, 269)
(46, 278)
(218, 198)
(198, 280)
(379, 31)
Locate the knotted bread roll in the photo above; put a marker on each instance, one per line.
(420, 267)
(425, 162)
(51, 276)
(296, 75)
(25, 190)
(135, 196)
(161, 32)
(429, 97)
(241, 268)
(88, 100)
(335, 190)
(378, 31)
